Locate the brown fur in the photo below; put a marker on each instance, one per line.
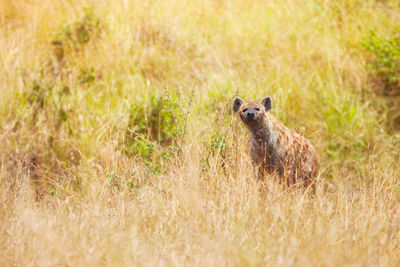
(274, 148)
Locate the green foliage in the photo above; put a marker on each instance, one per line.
(72, 39)
(46, 100)
(216, 150)
(87, 76)
(113, 180)
(154, 128)
(217, 143)
(81, 31)
(219, 95)
(156, 121)
(130, 181)
(385, 64)
(52, 191)
(385, 68)
(344, 127)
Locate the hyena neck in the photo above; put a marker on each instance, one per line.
(264, 133)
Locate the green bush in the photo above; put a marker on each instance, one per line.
(155, 121)
(80, 32)
(385, 64)
(385, 68)
(155, 126)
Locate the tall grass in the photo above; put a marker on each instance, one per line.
(119, 146)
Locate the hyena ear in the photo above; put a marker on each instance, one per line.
(267, 103)
(237, 103)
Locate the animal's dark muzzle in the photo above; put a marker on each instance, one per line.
(250, 115)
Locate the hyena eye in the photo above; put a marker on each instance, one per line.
(244, 110)
(257, 109)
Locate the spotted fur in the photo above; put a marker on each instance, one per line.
(274, 148)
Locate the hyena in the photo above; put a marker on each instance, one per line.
(274, 148)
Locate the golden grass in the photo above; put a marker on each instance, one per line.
(72, 72)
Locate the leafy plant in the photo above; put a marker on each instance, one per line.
(72, 39)
(385, 63)
(153, 123)
(153, 130)
(344, 127)
(217, 144)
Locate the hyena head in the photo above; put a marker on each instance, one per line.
(252, 112)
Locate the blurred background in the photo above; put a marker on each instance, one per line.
(119, 145)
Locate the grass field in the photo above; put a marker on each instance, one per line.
(118, 145)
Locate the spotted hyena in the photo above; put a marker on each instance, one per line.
(274, 148)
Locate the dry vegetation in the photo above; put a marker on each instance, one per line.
(119, 147)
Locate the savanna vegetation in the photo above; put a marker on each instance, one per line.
(118, 145)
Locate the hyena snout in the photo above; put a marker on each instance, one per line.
(250, 114)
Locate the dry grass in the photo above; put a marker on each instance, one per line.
(87, 179)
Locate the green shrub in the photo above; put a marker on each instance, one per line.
(155, 126)
(345, 134)
(385, 64)
(217, 143)
(74, 38)
(80, 32)
(385, 68)
(154, 122)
